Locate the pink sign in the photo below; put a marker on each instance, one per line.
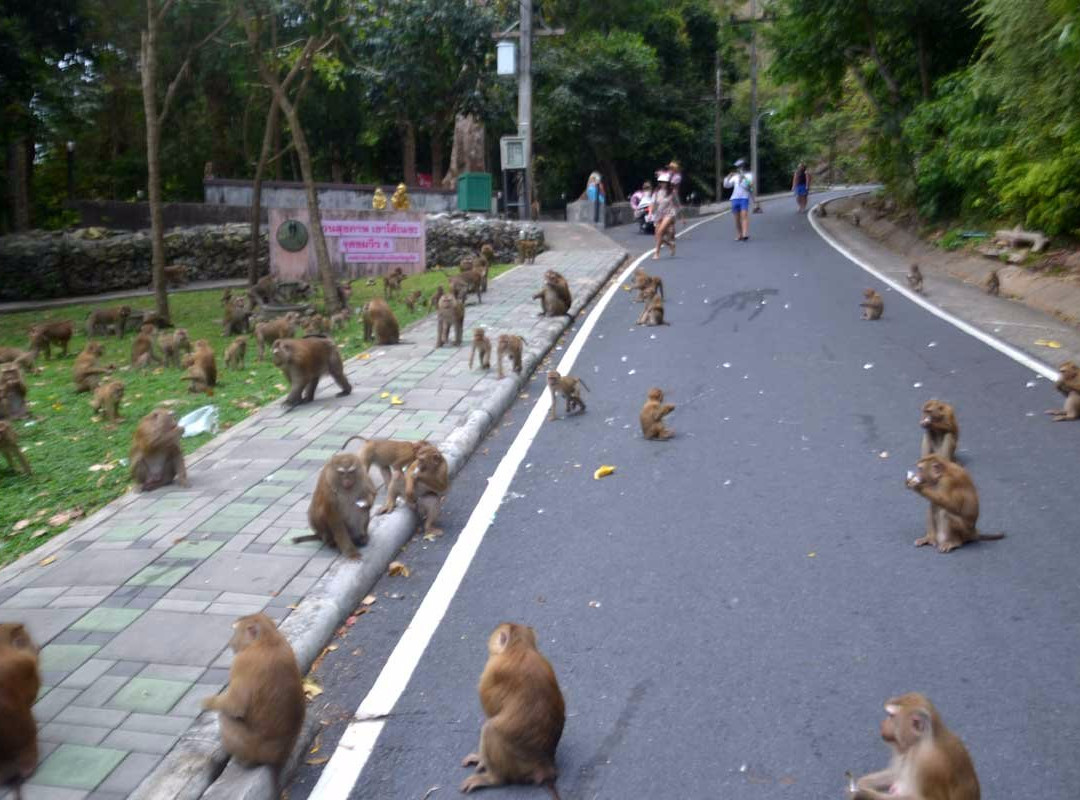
(363, 227)
(382, 257)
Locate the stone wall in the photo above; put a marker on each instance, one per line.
(452, 237)
(288, 194)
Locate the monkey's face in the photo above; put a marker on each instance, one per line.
(936, 415)
(246, 631)
(553, 379)
(146, 330)
(868, 293)
(1069, 372)
(123, 312)
(346, 471)
(927, 472)
(907, 720)
(656, 395)
(95, 348)
(478, 335)
(13, 634)
(282, 353)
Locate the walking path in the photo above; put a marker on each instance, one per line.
(134, 606)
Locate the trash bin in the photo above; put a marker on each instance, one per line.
(474, 191)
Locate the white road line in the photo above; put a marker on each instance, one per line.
(358, 741)
(1002, 347)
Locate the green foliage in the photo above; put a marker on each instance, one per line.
(952, 240)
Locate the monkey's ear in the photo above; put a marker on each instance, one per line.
(920, 721)
(504, 639)
(253, 630)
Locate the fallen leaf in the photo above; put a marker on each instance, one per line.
(430, 537)
(364, 356)
(18, 526)
(397, 569)
(384, 395)
(603, 472)
(396, 401)
(369, 600)
(1048, 343)
(38, 533)
(318, 761)
(883, 454)
(64, 517)
(46, 561)
(311, 689)
(332, 647)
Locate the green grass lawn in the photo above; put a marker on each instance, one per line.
(77, 458)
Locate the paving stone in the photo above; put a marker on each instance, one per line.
(35, 791)
(101, 717)
(64, 733)
(101, 690)
(172, 672)
(233, 610)
(170, 637)
(192, 594)
(189, 549)
(94, 568)
(126, 668)
(64, 657)
(217, 677)
(140, 741)
(78, 766)
(286, 476)
(157, 723)
(89, 672)
(54, 701)
(33, 597)
(238, 542)
(44, 624)
(192, 606)
(111, 620)
(150, 695)
(127, 532)
(126, 777)
(98, 794)
(191, 703)
(159, 575)
(232, 571)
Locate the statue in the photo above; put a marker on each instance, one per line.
(378, 202)
(400, 198)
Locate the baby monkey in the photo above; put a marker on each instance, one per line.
(481, 345)
(570, 387)
(652, 416)
(872, 305)
(509, 346)
(915, 279)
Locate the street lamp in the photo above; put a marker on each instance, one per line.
(753, 155)
(70, 170)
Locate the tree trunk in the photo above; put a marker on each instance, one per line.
(468, 152)
(148, 54)
(924, 68)
(337, 167)
(269, 131)
(408, 152)
(615, 193)
(437, 156)
(18, 183)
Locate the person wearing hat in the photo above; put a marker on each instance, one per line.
(664, 211)
(742, 188)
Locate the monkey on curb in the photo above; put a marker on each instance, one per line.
(45, 334)
(450, 314)
(872, 305)
(652, 416)
(106, 400)
(554, 295)
(525, 714)
(480, 345)
(1068, 383)
(9, 446)
(341, 505)
(423, 485)
(156, 458)
(928, 760)
(954, 504)
(915, 279)
(940, 431)
(509, 346)
(235, 353)
(304, 362)
(391, 456)
(380, 320)
(18, 690)
(570, 388)
(261, 711)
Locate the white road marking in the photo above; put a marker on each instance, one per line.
(358, 741)
(1002, 347)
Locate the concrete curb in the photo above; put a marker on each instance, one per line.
(186, 772)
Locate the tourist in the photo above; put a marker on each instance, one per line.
(800, 184)
(742, 188)
(664, 210)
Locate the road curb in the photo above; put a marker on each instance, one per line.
(186, 773)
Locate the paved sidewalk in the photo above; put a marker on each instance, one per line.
(134, 606)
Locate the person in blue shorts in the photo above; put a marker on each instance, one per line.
(800, 184)
(742, 189)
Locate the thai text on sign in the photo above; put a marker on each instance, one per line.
(363, 227)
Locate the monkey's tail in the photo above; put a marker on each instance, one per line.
(989, 537)
(354, 436)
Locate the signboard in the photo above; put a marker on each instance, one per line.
(512, 152)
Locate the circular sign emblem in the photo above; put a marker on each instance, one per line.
(292, 235)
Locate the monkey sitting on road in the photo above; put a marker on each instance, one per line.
(872, 305)
(915, 279)
(654, 312)
(652, 416)
(954, 504)
(993, 284)
(940, 431)
(570, 387)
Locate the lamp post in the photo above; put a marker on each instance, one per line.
(753, 155)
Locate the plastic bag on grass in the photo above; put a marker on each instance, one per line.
(201, 420)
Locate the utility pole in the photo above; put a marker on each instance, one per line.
(525, 103)
(716, 129)
(753, 102)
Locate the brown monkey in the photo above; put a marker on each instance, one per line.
(427, 480)
(237, 318)
(872, 305)
(940, 431)
(266, 333)
(99, 321)
(12, 392)
(652, 416)
(468, 281)
(380, 320)
(235, 352)
(928, 760)
(201, 368)
(527, 249)
(261, 712)
(562, 289)
(339, 320)
(264, 291)
(915, 279)
(45, 334)
(156, 458)
(106, 400)
(647, 285)
(525, 714)
(316, 325)
(993, 284)
(451, 314)
(142, 348)
(24, 358)
(391, 456)
(9, 445)
(412, 299)
(954, 504)
(1068, 383)
(86, 371)
(433, 303)
(653, 314)
(511, 346)
(480, 345)
(176, 274)
(140, 318)
(172, 345)
(304, 361)
(554, 296)
(481, 266)
(570, 387)
(20, 682)
(343, 291)
(226, 298)
(487, 252)
(392, 282)
(341, 505)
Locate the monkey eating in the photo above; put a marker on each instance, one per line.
(554, 295)
(9, 445)
(45, 334)
(341, 504)
(304, 362)
(1068, 383)
(509, 346)
(652, 416)
(100, 321)
(235, 352)
(86, 371)
(872, 305)
(940, 431)
(261, 711)
(928, 760)
(20, 682)
(450, 314)
(525, 714)
(172, 345)
(653, 313)
(915, 279)
(570, 388)
(480, 345)
(954, 504)
(156, 458)
(12, 393)
(106, 400)
(379, 320)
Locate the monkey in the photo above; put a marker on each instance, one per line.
(340, 319)
(928, 760)
(44, 334)
(480, 345)
(872, 305)
(527, 249)
(226, 298)
(106, 400)
(172, 345)
(343, 291)
(511, 346)
(12, 392)
(993, 284)
(156, 458)
(451, 314)
(176, 274)
(264, 291)
(653, 314)
(487, 252)
(465, 283)
(316, 325)
(391, 456)
(9, 445)
(647, 285)
(954, 504)
(201, 368)
(237, 318)
(142, 348)
(341, 504)
(140, 318)
(426, 482)
(554, 296)
(266, 333)
(570, 388)
(261, 711)
(641, 277)
(525, 714)
(412, 299)
(304, 361)
(24, 358)
(482, 266)
(652, 416)
(379, 320)
(235, 352)
(1068, 383)
(20, 682)
(915, 279)
(433, 303)
(100, 320)
(86, 371)
(940, 431)
(392, 282)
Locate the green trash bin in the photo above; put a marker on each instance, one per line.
(474, 191)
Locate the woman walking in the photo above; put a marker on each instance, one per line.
(664, 211)
(800, 184)
(741, 185)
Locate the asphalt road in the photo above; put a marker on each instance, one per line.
(728, 611)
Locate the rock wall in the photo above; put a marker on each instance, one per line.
(452, 237)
